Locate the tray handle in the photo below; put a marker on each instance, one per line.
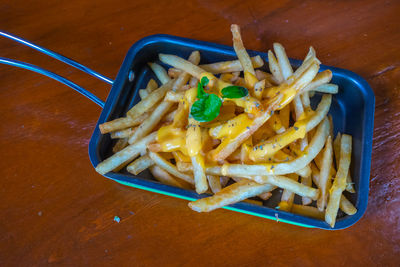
(52, 75)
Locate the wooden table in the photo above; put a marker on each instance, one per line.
(54, 207)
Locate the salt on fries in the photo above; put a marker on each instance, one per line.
(237, 132)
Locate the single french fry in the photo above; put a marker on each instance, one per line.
(122, 123)
(200, 179)
(287, 197)
(307, 181)
(174, 73)
(120, 144)
(302, 161)
(274, 67)
(174, 97)
(143, 93)
(140, 164)
(164, 177)
(122, 133)
(230, 66)
(283, 61)
(214, 182)
(151, 86)
(321, 78)
(287, 183)
(265, 196)
(346, 206)
(324, 174)
(326, 88)
(336, 149)
(169, 167)
(308, 211)
(339, 184)
(231, 194)
(182, 64)
(149, 102)
(128, 154)
(148, 125)
(160, 72)
(249, 73)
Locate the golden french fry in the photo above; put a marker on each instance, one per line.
(160, 72)
(174, 73)
(336, 149)
(339, 184)
(321, 78)
(200, 179)
(174, 97)
(164, 177)
(140, 164)
(143, 93)
(306, 180)
(249, 73)
(229, 195)
(283, 61)
(122, 133)
(148, 103)
(274, 68)
(302, 161)
(182, 64)
(169, 167)
(148, 125)
(326, 88)
(287, 197)
(214, 182)
(324, 174)
(151, 86)
(120, 144)
(287, 183)
(265, 196)
(346, 206)
(128, 154)
(230, 66)
(122, 123)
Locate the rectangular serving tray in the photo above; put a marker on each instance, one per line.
(352, 110)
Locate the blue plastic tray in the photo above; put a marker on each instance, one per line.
(352, 110)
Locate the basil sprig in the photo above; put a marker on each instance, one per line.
(208, 106)
(234, 92)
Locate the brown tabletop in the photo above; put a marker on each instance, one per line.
(54, 207)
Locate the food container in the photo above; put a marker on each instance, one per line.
(352, 110)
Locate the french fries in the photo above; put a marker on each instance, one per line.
(264, 134)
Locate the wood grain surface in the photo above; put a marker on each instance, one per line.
(54, 207)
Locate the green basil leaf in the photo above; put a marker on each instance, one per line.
(204, 81)
(200, 91)
(234, 92)
(206, 109)
(200, 88)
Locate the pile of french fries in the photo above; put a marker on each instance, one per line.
(269, 139)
